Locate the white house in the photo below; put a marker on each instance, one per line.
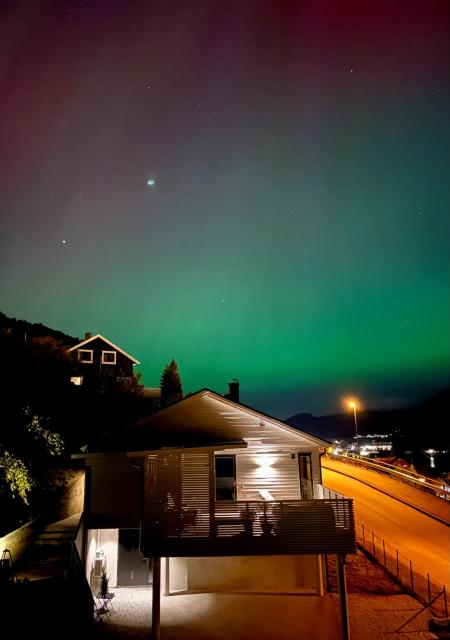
(229, 498)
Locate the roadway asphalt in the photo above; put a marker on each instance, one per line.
(415, 497)
(418, 537)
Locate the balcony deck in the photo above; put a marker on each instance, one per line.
(238, 528)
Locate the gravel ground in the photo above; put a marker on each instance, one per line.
(201, 616)
(377, 608)
(207, 616)
(375, 617)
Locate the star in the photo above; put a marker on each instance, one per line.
(63, 241)
(351, 70)
(150, 182)
(420, 212)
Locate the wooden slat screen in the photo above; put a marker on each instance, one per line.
(181, 517)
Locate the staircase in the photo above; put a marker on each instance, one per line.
(50, 554)
(52, 583)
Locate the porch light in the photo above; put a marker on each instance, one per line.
(265, 463)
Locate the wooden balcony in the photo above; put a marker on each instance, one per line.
(240, 528)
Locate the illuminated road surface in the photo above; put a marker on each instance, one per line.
(424, 501)
(418, 537)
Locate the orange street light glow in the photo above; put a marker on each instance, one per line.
(352, 403)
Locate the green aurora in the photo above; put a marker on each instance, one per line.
(296, 235)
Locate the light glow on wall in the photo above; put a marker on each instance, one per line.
(265, 464)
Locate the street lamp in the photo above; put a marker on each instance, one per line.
(352, 403)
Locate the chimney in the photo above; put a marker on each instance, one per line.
(233, 393)
(87, 335)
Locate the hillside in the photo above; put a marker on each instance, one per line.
(28, 330)
(421, 426)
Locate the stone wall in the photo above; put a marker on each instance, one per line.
(65, 492)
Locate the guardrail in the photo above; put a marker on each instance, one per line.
(428, 485)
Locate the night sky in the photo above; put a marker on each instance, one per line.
(258, 189)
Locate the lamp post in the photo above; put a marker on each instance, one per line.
(353, 405)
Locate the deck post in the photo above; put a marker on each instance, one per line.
(156, 599)
(340, 562)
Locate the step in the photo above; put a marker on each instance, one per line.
(55, 532)
(52, 542)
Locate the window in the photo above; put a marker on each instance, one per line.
(305, 472)
(78, 380)
(109, 357)
(225, 477)
(86, 356)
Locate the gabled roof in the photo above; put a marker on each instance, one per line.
(204, 419)
(111, 344)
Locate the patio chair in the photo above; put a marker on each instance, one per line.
(101, 610)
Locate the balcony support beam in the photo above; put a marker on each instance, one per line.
(156, 600)
(340, 563)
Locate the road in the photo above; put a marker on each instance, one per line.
(418, 537)
(423, 500)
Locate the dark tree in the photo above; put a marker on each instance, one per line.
(170, 384)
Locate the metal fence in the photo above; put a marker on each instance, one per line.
(421, 584)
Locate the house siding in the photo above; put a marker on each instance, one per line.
(279, 475)
(93, 371)
(115, 494)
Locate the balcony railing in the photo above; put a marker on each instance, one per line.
(251, 528)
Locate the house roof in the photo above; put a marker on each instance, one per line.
(111, 344)
(205, 419)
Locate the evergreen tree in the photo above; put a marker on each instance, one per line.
(170, 384)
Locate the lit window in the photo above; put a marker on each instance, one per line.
(86, 356)
(108, 357)
(78, 380)
(225, 478)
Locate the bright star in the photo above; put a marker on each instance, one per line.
(150, 182)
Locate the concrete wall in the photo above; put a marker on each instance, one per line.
(175, 577)
(18, 541)
(257, 574)
(108, 541)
